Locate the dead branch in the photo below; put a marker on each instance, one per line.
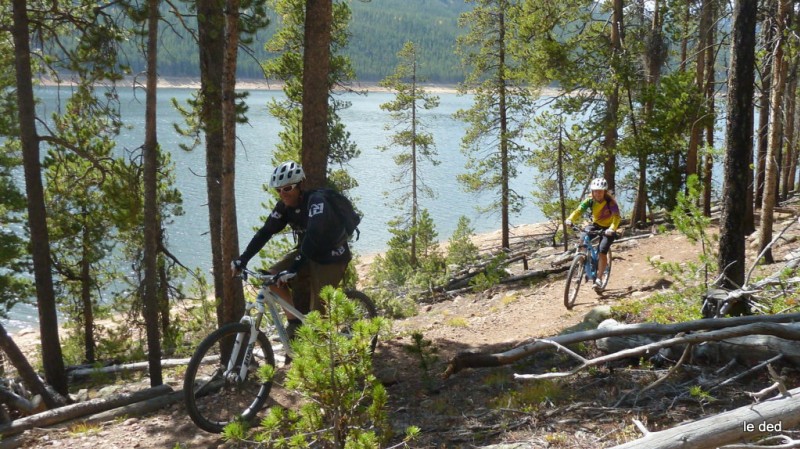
(783, 442)
(464, 360)
(672, 370)
(727, 427)
(779, 385)
(746, 372)
(766, 248)
(786, 331)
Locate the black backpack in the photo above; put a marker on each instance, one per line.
(344, 210)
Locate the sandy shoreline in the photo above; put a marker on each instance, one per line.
(246, 84)
(267, 85)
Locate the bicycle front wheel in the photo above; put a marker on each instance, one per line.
(214, 397)
(607, 271)
(574, 280)
(367, 309)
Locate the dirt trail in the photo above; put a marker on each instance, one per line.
(463, 410)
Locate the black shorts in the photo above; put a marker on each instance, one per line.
(606, 241)
(311, 277)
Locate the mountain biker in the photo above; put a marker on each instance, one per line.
(322, 252)
(605, 217)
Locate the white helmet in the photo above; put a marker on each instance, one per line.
(598, 184)
(289, 172)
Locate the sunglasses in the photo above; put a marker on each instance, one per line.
(286, 189)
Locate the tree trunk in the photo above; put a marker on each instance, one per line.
(695, 132)
(687, 14)
(710, 61)
(163, 307)
(505, 191)
(86, 300)
(739, 138)
(561, 196)
(151, 218)
(775, 131)
(794, 148)
(414, 166)
(654, 60)
(37, 216)
(316, 67)
(233, 296)
(211, 31)
(611, 134)
(25, 370)
(789, 121)
(763, 105)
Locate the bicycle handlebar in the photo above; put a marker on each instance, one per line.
(265, 278)
(591, 233)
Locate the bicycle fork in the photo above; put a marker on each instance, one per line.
(248, 354)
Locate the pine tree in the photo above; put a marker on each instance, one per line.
(410, 100)
(502, 97)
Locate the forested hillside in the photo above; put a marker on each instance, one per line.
(379, 30)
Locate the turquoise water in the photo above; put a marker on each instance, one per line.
(373, 169)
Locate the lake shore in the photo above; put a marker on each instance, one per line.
(245, 84)
(273, 85)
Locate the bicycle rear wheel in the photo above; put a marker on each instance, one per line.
(367, 309)
(574, 280)
(215, 398)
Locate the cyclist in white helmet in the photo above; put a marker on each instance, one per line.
(319, 259)
(605, 217)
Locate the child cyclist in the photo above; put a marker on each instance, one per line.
(605, 217)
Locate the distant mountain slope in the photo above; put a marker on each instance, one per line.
(379, 29)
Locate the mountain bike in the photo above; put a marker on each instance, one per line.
(221, 384)
(584, 265)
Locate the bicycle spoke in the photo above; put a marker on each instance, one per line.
(214, 397)
(574, 280)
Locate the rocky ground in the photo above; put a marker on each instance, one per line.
(477, 407)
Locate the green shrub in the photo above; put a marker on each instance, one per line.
(344, 404)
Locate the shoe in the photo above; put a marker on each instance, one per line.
(598, 285)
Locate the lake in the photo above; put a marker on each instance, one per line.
(373, 169)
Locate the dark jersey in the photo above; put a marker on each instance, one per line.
(313, 222)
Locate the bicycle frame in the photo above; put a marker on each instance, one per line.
(266, 300)
(592, 254)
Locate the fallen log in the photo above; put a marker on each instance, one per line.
(20, 403)
(463, 281)
(747, 349)
(81, 373)
(137, 408)
(464, 360)
(735, 426)
(788, 331)
(533, 274)
(73, 411)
